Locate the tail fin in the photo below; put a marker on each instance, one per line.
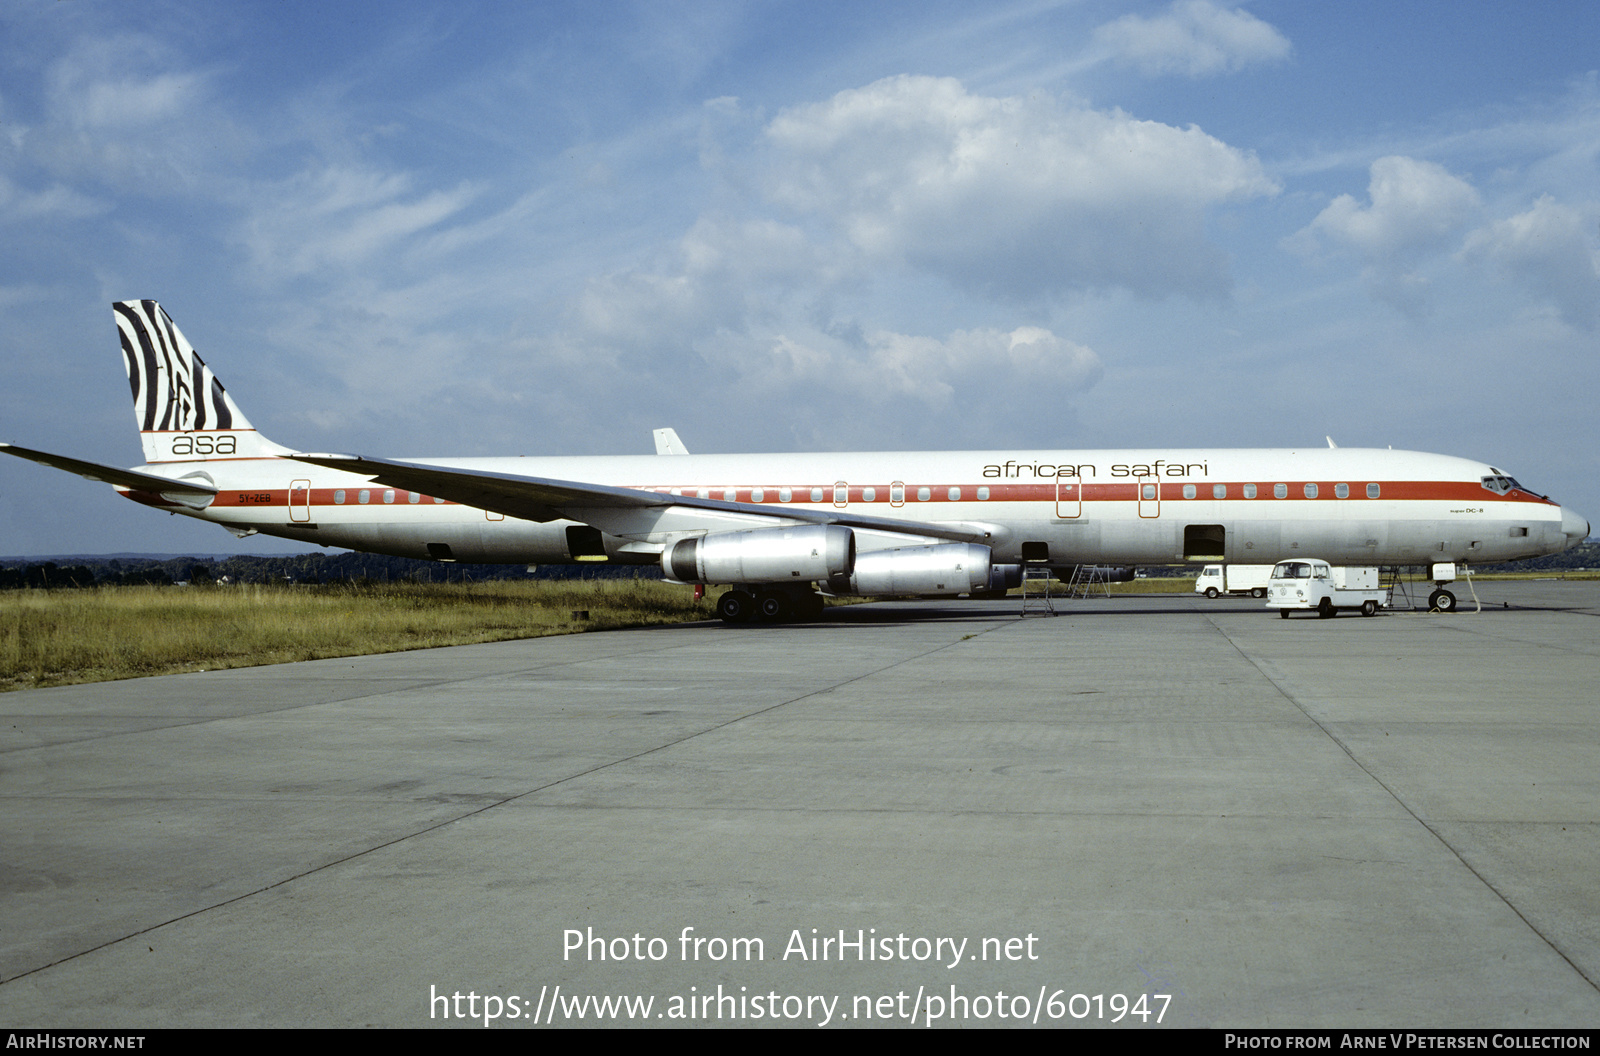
(183, 412)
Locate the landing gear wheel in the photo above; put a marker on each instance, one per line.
(809, 606)
(772, 606)
(1442, 600)
(736, 606)
(1325, 609)
(1283, 614)
(1211, 592)
(1259, 592)
(1369, 608)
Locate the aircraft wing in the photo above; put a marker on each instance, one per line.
(619, 511)
(122, 478)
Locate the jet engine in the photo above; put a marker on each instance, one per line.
(763, 555)
(947, 568)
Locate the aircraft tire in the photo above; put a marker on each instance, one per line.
(1211, 592)
(773, 606)
(1369, 608)
(1325, 609)
(736, 606)
(1442, 601)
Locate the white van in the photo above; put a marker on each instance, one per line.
(1314, 584)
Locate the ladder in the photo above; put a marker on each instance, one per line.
(1036, 580)
(1084, 580)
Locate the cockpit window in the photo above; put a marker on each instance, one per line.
(1501, 484)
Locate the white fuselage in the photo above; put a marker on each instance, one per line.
(1344, 505)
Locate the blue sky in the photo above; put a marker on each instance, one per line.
(515, 228)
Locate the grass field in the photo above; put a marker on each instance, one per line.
(58, 637)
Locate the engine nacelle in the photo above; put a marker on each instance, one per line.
(763, 555)
(1004, 577)
(948, 568)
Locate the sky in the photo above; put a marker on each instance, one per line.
(434, 229)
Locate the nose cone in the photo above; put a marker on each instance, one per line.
(1574, 527)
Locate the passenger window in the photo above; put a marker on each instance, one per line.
(1147, 491)
(897, 494)
(816, 494)
(1341, 491)
(784, 494)
(954, 495)
(1188, 491)
(1372, 491)
(338, 497)
(1249, 491)
(363, 496)
(758, 495)
(1280, 491)
(1219, 491)
(1311, 491)
(413, 498)
(924, 494)
(983, 494)
(869, 494)
(388, 495)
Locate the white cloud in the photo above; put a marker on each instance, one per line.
(1194, 38)
(1416, 209)
(980, 371)
(129, 102)
(119, 81)
(745, 316)
(55, 202)
(1012, 197)
(938, 372)
(340, 216)
(124, 112)
(1547, 250)
(1416, 206)
(723, 273)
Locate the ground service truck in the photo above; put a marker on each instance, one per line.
(1324, 588)
(1233, 579)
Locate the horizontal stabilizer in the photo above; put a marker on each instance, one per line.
(122, 478)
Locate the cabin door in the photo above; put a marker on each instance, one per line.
(299, 501)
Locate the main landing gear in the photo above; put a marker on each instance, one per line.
(769, 605)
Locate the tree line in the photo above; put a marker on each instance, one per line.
(288, 569)
(357, 567)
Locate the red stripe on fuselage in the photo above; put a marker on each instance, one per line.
(1120, 491)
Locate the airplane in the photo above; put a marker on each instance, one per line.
(783, 530)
